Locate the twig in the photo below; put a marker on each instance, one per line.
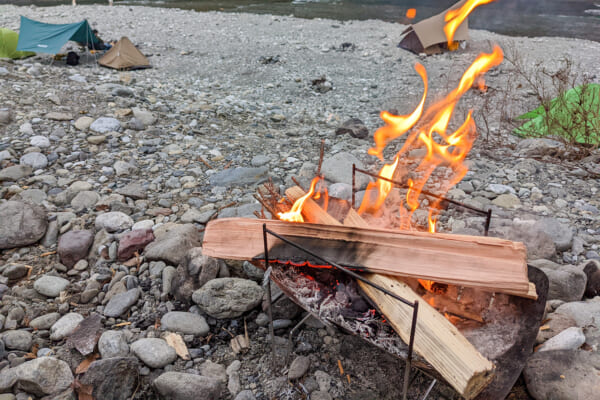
(322, 152)
(228, 164)
(233, 203)
(265, 205)
(48, 253)
(206, 163)
(297, 183)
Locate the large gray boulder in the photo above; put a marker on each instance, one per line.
(42, 376)
(22, 224)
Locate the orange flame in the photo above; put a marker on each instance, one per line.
(442, 149)
(456, 17)
(295, 214)
(411, 13)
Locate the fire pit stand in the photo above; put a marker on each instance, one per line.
(487, 213)
(414, 305)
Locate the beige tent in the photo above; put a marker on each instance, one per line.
(428, 36)
(124, 55)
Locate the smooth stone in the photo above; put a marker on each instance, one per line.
(561, 234)
(228, 297)
(172, 243)
(50, 286)
(22, 224)
(35, 196)
(85, 199)
(247, 395)
(507, 201)
(154, 352)
(83, 123)
(41, 376)
(134, 241)
(123, 168)
(338, 169)
(557, 323)
(35, 160)
(240, 176)
(15, 271)
(144, 116)
(583, 312)
(353, 127)
(500, 189)
(133, 190)
(592, 271)
(259, 160)
(15, 172)
(17, 340)
(105, 125)
(65, 326)
(567, 282)
(113, 344)
(569, 339)
(59, 116)
(120, 303)
(74, 246)
(185, 322)
(182, 386)
(44, 321)
(113, 221)
(563, 375)
(299, 367)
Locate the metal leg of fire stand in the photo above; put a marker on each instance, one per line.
(353, 185)
(290, 340)
(431, 385)
(488, 219)
(270, 309)
(409, 354)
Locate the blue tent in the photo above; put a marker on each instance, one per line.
(49, 38)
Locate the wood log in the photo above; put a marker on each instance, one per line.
(495, 264)
(436, 339)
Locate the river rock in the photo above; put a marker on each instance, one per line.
(120, 303)
(556, 323)
(592, 271)
(22, 224)
(338, 169)
(74, 246)
(181, 386)
(228, 297)
(583, 312)
(83, 123)
(35, 160)
(567, 282)
(154, 352)
(14, 271)
(50, 286)
(144, 116)
(15, 172)
(113, 221)
(563, 375)
(240, 176)
(41, 376)
(44, 321)
(133, 190)
(299, 367)
(353, 127)
(246, 395)
(65, 326)
(569, 339)
(105, 125)
(112, 378)
(184, 322)
(17, 340)
(133, 241)
(113, 344)
(172, 243)
(561, 234)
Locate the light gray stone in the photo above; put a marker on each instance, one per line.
(43, 376)
(584, 313)
(120, 303)
(569, 339)
(184, 322)
(50, 286)
(240, 176)
(181, 386)
(17, 340)
(105, 125)
(154, 352)
(228, 297)
(22, 224)
(113, 344)
(15, 172)
(65, 326)
(44, 321)
(35, 160)
(299, 367)
(338, 169)
(113, 221)
(561, 234)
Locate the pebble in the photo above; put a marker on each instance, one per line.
(65, 326)
(184, 322)
(120, 303)
(113, 344)
(50, 286)
(298, 367)
(155, 353)
(182, 386)
(228, 297)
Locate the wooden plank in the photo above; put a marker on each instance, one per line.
(495, 264)
(436, 339)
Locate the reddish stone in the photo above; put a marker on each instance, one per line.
(73, 246)
(133, 241)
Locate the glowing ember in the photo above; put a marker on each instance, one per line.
(411, 13)
(456, 17)
(442, 149)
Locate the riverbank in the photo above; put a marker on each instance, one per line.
(231, 100)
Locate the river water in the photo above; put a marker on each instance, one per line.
(567, 18)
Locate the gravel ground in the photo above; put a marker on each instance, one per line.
(98, 164)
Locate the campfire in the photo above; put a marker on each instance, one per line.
(468, 305)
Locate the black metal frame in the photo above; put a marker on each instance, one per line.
(414, 305)
(487, 213)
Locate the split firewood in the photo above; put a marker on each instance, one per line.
(494, 264)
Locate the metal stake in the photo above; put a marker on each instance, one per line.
(409, 355)
(270, 309)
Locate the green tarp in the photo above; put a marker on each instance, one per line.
(49, 38)
(8, 45)
(574, 115)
